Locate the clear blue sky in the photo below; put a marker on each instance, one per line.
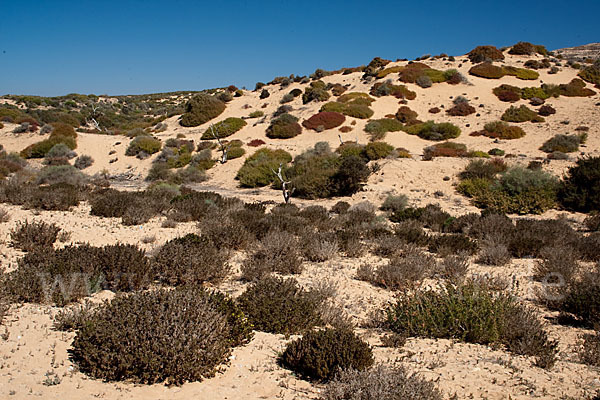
(57, 47)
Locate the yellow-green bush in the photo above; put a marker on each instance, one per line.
(433, 131)
(224, 128)
(258, 169)
(200, 109)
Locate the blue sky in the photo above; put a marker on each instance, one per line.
(52, 48)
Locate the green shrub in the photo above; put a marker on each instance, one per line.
(40, 149)
(224, 128)
(143, 144)
(575, 88)
(526, 48)
(496, 152)
(377, 150)
(235, 152)
(324, 120)
(145, 337)
(485, 53)
(189, 259)
(61, 174)
(352, 105)
(502, 130)
(200, 109)
(382, 383)
(34, 236)
(319, 354)
(379, 127)
(351, 149)
(258, 169)
(434, 131)
(315, 92)
(563, 143)
(490, 71)
(591, 73)
(531, 92)
(472, 314)
(285, 126)
(256, 114)
(280, 305)
(388, 89)
(580, 188)
(521, 114)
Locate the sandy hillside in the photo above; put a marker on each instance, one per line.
(32, 354)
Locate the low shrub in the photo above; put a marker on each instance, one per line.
(575, 88)
(256, 142)
(257, 169)
(381, 383)
(581, 298)
(590, 349)
(68, 274)
(557, 265)
(501, 130)
(354, 104)
(200, 109)
(40, 149)
(141, 145)
(224, 128)
(394, 203)
(526, 48)
(256, 114)
(407, 116)
(521, 114)
(494, 253)
(491, 71)
(278, 252)
(189, 259)
(318, 355)
(480, 169)
(83, 162)
(563, 143)
(452, 244)
(591, 73)
(284, 126)
(461, 109)
(324, 120)
(278, 305)
(60, 150)
(473, 314)
(484, 54)
(434, 131)
(445, 149)
(156, 346)
(580, 188)
(61, 174)
(320, 246)
(34, 236)
(546, 110)
(379, 127)
(507, 93)
(378, 150)
(235, 152)
(388, 89)
(405, 269)
(316, 91)
(496, 152)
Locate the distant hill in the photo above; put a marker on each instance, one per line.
(591, 50)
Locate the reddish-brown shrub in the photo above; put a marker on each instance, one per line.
(485, 53)
(434, 110)
(461, 109)
(346, 129)
(507, 93)
(324, 120)
(256, 142)
(546, 110)
(407, 116)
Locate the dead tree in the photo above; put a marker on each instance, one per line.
(222, 147)
(93, 117)
(287, 194)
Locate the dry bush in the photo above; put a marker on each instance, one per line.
(451, 244)
(485, 53)
(68, 274)
(381, 383)
(4, 215)
(278, 251)
(33, 236)
(319, 355)
(411, 231)
(190, 259)
(404, 270)
(145, 337)
(558, 265)
(224, 232)
(582, 298)
(277, 305)
(494, 253)
(590, 349)
(324, 120)
(454, 267)
(461, 109)
(319, 247)
(74, 318)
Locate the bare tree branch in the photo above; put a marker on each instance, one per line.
(222, 147)
(287, 194)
